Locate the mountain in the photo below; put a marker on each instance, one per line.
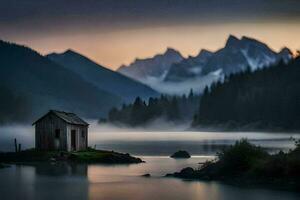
(188, 68)
(38, 84)
(170, 73)
(101, 77)
(268, 98)
(236, 56)
(156, 66)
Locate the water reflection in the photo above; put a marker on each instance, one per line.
(44, 182)
(196, 147)
(61, 169)
(179, 190)
(120, 182)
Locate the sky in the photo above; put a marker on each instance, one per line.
(116, 32)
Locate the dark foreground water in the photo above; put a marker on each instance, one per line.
(122, 182)
(105, 182)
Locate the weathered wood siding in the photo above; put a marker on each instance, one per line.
(81, 136)
(45, 133)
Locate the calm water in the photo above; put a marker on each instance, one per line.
(122, 182)
(197, 143)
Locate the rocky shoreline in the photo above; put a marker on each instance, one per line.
(244, 164)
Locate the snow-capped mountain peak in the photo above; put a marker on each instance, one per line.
(237, 55)
(155, 66)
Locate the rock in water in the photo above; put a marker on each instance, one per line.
(181, 154)
(146, 175)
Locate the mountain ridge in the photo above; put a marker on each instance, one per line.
(236, 56)
(195, 72)
(102, 77)
(44, 84)
(153, 66)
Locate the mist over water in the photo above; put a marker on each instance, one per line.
(23, 133)
(153, 144)
(159, 138)
(163, 139)
(103, 132)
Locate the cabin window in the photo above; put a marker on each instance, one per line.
(82, 134)
(57, 133)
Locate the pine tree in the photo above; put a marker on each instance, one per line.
(268, 96)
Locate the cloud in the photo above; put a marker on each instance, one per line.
(34, 14)
(184, 87)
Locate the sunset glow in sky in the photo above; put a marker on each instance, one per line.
(115, 32)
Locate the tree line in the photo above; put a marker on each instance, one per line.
(170, 108)
(268, 97)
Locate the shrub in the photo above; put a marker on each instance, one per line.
(240, 157)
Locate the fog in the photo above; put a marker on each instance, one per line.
(173, 132)
(23, 133)
(163, 139)
(157, 138)
(153, 130)
(184, 87)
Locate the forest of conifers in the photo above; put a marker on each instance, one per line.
(268, 97)
(169, 108)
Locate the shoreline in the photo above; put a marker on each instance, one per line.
(89, 156)
(246, 164)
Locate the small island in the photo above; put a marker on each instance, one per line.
(245, 164)
(63, 136)
(180, 154)
(87, 156)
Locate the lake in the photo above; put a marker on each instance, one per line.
(105, 182)
(122, 182)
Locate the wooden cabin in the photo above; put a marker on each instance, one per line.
(58, 130)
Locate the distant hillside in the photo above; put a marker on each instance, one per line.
(13, 107)
(268, 98)
(101, 77)
(38, 84)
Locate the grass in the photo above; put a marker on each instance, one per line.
(92, 155)
(29, 155)
(88, 156)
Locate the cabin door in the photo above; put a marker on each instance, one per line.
(57, 139)
(73, 140)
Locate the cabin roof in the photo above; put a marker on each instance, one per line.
(68, 117)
